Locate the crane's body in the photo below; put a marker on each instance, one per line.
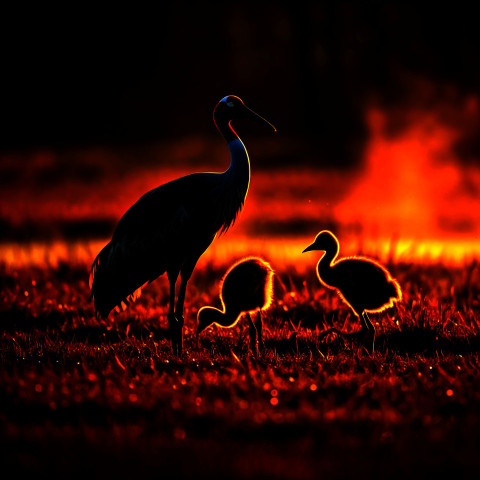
(170, 227)
(362, 283)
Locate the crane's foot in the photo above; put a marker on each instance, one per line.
(180, 322)
(367, 333)
(176, 333)
(177, 342)
(368, 340)
(171, 327)
(259, 327)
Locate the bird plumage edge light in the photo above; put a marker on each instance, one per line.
(363, 258)
(268, 289)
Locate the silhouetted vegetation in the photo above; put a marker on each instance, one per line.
(81, 396)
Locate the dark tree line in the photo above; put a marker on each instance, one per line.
(85, 77)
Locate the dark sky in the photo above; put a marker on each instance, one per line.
(79, 76)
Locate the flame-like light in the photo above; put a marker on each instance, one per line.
(412, 185)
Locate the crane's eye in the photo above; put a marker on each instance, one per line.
(229, 104)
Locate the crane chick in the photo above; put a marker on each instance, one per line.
(245, 288)
(363, 284)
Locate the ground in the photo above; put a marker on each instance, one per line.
(83, 398)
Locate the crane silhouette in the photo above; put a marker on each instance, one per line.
(362, 283)
(169, 228)
(246, 287)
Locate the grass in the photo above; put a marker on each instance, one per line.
(83, 398)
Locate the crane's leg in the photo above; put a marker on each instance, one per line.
(259, 327)
(369, 329)
(252, 330)
(172, 320)
(185, 276)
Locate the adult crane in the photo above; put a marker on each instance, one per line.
(171, 226)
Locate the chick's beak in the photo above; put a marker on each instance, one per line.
(309, 248)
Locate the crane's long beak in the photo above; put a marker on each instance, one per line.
(249, 113)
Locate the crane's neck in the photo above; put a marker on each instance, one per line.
(239, 169)
(326, 263)
(236, 179)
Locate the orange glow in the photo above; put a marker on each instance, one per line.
(283, 252)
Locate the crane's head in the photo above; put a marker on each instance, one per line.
(232, 108)
(325, 241)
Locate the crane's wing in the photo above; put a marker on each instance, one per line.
(152, 234)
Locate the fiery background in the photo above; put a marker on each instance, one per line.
(377, 109)
(378, 115)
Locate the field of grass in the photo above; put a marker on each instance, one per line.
(83, 399)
